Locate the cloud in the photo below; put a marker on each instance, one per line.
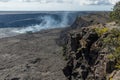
(40, 1)
(96, 2)
(81, 2)
(56, 4)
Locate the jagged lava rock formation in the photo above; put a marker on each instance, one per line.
(87, 60)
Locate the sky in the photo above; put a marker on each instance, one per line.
(57, 5)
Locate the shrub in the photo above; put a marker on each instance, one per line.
(115, 14)
(112, 43)
(101, 31)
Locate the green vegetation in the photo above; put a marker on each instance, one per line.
(115, 14)
(101, 31)
(113, 40)
(112, 44)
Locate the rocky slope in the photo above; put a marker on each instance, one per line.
(91, 19)
(84, 21)
(87, 55)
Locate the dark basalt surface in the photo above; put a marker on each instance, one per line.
(32, 57)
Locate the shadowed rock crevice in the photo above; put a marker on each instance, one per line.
(15, 79)
(85, 59)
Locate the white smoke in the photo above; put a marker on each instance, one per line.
(48, 22)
